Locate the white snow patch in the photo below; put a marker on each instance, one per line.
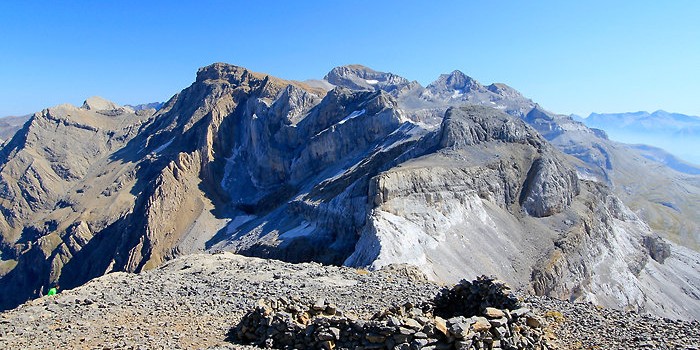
(163, 146)
(587, 176)
(457, 94)
(302, 230)
(371, 81)
(237, 222)
(410, 129)
(352, 115)
(500, 107)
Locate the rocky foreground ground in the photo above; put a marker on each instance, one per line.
(193, 303)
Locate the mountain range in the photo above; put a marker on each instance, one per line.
(362, 168)
(10, 125)
(676, 133)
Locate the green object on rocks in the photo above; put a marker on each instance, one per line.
(52, 291)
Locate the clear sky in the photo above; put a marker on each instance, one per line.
(570, 56)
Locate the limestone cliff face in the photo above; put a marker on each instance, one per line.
(665, 199)
(550, 187)
(481, 175)
(495, 198)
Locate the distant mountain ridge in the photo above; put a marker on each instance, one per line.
(364, 169)
(10, 125)
(676, 133)
(144, 106)
(671, 161)
(642, 120)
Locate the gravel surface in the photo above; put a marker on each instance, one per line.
(586, 326)
(192, 302)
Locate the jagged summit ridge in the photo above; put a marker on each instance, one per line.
(359, 77)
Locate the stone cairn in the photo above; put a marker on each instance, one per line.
(472, 315)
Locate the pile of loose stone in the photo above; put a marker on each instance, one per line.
(472, 315)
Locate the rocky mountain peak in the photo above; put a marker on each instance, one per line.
(268, 86)
(454, 82)
(97, 103)
(358, 77)
(223, 71)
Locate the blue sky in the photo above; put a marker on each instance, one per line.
(570, 56)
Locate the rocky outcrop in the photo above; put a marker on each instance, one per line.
(550, 187)
(97, 103)
(472, 125)
(659, 250)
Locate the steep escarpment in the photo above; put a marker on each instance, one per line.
(495, 198)
(672, 212)
(315, 187)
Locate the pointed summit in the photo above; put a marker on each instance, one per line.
(455, 83)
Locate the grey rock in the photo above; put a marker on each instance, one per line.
(498, 322)
(658, 249)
